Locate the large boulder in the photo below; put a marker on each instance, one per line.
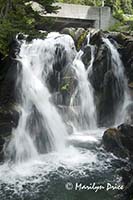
(103, 79)
(112, 142)
(119, 140)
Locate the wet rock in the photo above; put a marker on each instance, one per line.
(8, 121)
(129, 114)
(112, 142)
(125, 41)
(2, 141)
(67, 85)
(86, 57)
(108, 90)
(81, 41)
(127, 57)
(96, 37)
(60, 58)
(78, 33)
(127, 179)
(101, 79)
(130, 85)
(11, 116)
(14, 47)
(119, 140)
(8, 99)
(8, 85)
(69, 31)
(126, 137)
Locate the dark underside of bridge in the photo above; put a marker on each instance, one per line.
(60, 23)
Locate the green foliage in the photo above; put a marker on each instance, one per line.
(116, 27)
(118, 14)
(116, 5)
(65, 87)
(18, 16)
(81, 39)
(83, 2)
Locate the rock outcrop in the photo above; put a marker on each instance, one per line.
(8, 100)
(119, 141)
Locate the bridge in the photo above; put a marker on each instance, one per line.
(74, 15)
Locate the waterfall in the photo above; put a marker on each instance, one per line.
(57, 141)
(41, 128)
(84, 94)
(122, 88)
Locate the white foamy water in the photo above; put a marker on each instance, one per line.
(72, 160)
(84, 94)
(65, 156)
(36, 61)
(118, 70)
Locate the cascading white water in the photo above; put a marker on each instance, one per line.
(83, 160)
(37, 60)
(118, 70)
(86, 109)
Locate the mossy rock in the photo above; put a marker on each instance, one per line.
(130, 85)
(112, 142)
(69, 31)
(81, 40)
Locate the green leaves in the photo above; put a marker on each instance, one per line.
(18, 16)
(125, 5)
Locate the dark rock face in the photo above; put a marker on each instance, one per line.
(61, 81)
(126, 137)
(86, 57)
(126, 50)
(127, 176)
(36, 126)
(8, 113)
(119, 140)
(60, 58)
(112, 142)
(108, 90)
(129, 114)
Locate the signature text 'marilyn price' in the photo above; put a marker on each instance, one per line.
(96, 188)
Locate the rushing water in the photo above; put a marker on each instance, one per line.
(86, 109)
(36, 64)
(122, 88)
(42, 159)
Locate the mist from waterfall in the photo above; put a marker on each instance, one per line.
(118, 71)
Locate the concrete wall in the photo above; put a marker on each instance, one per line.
(101, 15)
